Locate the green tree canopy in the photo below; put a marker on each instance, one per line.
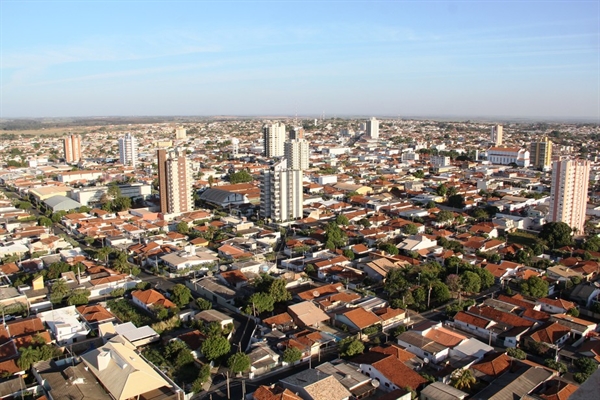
(181, 295)
(240, 177)
(291, 355)
(183, 228)
(389, 248)
(341, 219)
(456, 201)
(534, 287)
(78, 297)
(556, 234)
(410, 229)
(351, 346)
(444, 216)
(203, 304)
(260, 302)
(334, 236)
(215, 347)
(471, 282)
(395, 282)
(238, 362)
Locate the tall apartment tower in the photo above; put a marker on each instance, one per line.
(569, 193)
(496, 135)
(273, 138)
(128, 150)
(281, 197)
(541, 153)
(297, 133)
(372, 128)
(296, 153)
(72, 148)
(175, 182)
(180, 133)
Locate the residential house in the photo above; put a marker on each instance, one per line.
(209, 316)
(442, 391)
(149, 299)
(551, 334)
(357, 319)
(315, 385)
(306, 314)
(584, 294)
(66, 324)
(274, 392)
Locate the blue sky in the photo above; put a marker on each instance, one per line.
(395, 58)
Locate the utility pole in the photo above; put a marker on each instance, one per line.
(228, 393)
(243, 389)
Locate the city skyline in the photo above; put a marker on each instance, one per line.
(538, 59)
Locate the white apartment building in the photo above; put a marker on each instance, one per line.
(128, 150)
(496, 135)
(296, 152)
(180, 133)
(569, 193)
(273, 139)
(439, 161)
(508, 155)
(373, 128)
(281, 194)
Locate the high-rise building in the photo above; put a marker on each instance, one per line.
(281, 197)
(180, 133)
(72, 148)
(569, 192)
(373, 128)
(541, 153)
(274, 137)
(496, 135)
(296, 153)
(297, 133)
(128, 150)
(175, 182)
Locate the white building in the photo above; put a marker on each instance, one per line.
(508, 155)
(175, 182)
(273, 139)
(281, 196)
(496, 135)
(66, 324)
(128, 150)
(569, 193)
(296, 153)
(180, 133)
(439, 161)
(373, 128)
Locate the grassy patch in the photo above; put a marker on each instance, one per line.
(523, 238)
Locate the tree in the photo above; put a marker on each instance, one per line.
(586, 365)
(121, 204)
(203, 304)
(471, 282)
(444, 216)
(516, 353)
(534, 287)
(203, 376)
(291, 355)
(453, 282)
(113, 190)
(58, 291)
(181, 295)
(440, 292)
(32, 354)
(351, 346)
(556, 234)
(238, 362)
(349, 254)
(487, 279)
(389, 248)
(463, 379)
(592, 244)
(410, 229)
(211, 180)
(574, 312)
(456, 201)
(395, 283)
(24, 205)
(334, 236)
(183, 228)
(278, 291)
(78, 297)
(45, 221)
(341, 219)
(260, 302)
(555, 365)
(480, 214)
(419, 174)
(240, 177)
(215, 347)
(441, 190)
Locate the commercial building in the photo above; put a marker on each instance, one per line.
(569, 193)
(281, 192)
(72, 148)
(128, 150)
(508, 155)
(541, 153)
(496, 135)
(273, 139)
(373, 128)
(175, 182)
(296, 153)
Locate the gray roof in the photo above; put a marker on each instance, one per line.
(62, 203)
(515, 384)
(421, 342)
(71, 382)
(441, 391)
(348, 376)
(215, 195)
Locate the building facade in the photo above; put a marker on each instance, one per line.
(128, 150)
(273, 139)
(496, 135)
(72, 148)
(281, 197)
(175, 182)
(541, 153)
(180, 133)
(296, 153)
(297, 133)
(373, 128)
(508, 155)
(569, 193)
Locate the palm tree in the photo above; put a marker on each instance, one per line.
(104, 252)
(463, 379)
